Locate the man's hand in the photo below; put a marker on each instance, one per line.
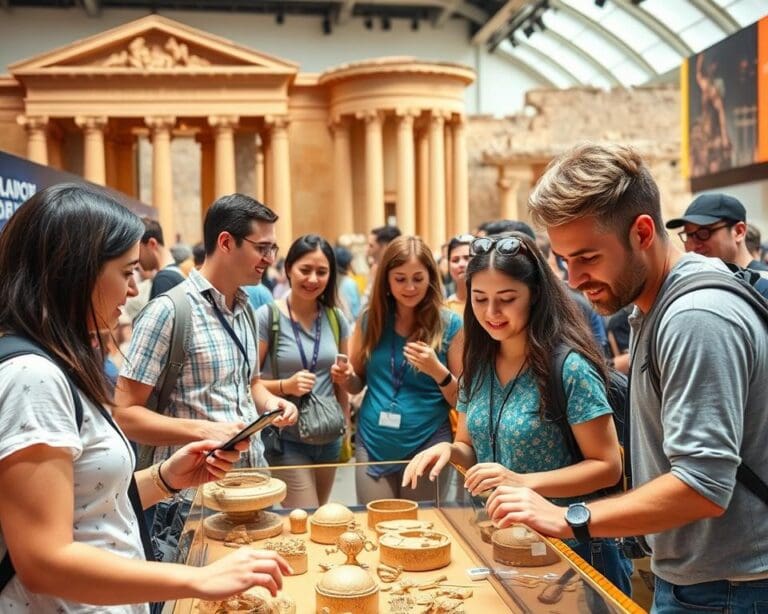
(217, 431)
(514, 505)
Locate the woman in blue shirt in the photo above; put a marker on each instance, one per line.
(520, 313)
(407, 349)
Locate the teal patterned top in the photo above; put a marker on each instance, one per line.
(525, 443)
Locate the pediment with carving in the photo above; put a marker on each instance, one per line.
(153, 44)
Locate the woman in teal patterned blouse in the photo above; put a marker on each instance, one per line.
(520, 313)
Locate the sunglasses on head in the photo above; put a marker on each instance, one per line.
(505, 246)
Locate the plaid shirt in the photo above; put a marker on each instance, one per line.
(214, 383)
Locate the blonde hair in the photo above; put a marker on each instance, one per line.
(609, 182)
(429, 322)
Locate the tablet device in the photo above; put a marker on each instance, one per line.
(260, 423)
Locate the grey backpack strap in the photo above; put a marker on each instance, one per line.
(250, 315)
(182, 314)
(160, 397)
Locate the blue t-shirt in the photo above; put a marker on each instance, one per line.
(258, 295)
(524, 442)
(420, 401)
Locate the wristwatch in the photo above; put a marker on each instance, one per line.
(577, 516)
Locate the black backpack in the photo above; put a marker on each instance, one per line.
(617, 393)
(12, 346)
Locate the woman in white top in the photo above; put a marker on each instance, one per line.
(66, 266)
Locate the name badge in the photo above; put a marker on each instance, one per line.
(389, 420)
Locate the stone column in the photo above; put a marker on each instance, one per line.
(448, 153)
(224, 134)
(258, 172)
(162, 174)
(125, 163)
(511, 179)
(422, 175)
(94, 167)
(55, 144)
(342, 176)
(207, 190)
(374, 168)
(437, 234)
(37, 137)
(406, 171)
(460, 178)
(266, 146)
(281, 178)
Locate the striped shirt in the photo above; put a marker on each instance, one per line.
(214, 383)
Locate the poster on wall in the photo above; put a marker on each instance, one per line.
(20, 179)
(720, 94)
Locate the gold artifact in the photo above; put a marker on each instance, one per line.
(486, 530)
(328, 522)
(352, 543)
(241, 498)
(347, 588)
(257, 600)
(415, 550)
(298, 520)
(403, 525)
(391, 509)
(388, 574)
(293, 550)
(518, 546)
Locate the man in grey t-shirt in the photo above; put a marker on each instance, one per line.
(708, 533)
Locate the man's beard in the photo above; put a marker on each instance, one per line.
(624, 290)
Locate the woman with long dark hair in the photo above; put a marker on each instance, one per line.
(407, 348)
(304, 333)
(70, 511)
(519, 314)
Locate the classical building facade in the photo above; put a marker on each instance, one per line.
(336, 152)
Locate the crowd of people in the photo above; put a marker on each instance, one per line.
(437, 356)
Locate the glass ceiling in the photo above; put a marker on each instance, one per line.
(623, 42)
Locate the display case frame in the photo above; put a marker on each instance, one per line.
(575, 586)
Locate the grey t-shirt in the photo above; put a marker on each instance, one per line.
(713, 357)
(288, 356)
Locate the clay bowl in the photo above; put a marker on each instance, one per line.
(238, 493)
(518, 546)
(391, 509)
(415, 550)
(328, 522)
(387, 526)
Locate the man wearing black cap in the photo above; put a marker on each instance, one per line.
(715, 225)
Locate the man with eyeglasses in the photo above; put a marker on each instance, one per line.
(715, 225)
(217, 390)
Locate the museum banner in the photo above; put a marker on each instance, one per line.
(20, 179)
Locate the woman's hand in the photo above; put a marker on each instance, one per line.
(509, 505)
(191, 466)
(290, 413)
(423, 358)
(342, 373)
(436, 457)
(239, 571)
(486, 476)
(300, 383)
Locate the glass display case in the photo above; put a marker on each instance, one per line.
(439, 553)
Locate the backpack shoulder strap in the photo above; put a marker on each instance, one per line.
(12, 346)
(333, 319)
(557, 411)
(700, 281)
(738, 285)
(274, 336)
(177, 351)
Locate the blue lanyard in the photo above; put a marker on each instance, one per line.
(397, 373)
(316, 349)
(209, 295)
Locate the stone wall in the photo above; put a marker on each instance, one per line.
(554, 120)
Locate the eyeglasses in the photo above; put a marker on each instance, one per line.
(506, 246)
(703, 233)
(267, 250)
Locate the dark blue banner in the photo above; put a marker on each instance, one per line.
(20, 179)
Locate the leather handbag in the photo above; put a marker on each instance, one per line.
(321, 419)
